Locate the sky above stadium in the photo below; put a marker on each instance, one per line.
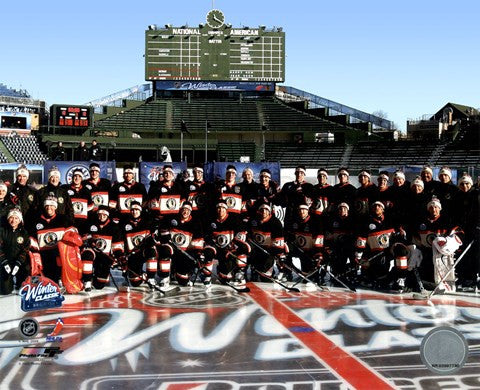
(405, 58)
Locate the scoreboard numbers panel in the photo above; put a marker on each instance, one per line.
(205, 53)
(65, 115)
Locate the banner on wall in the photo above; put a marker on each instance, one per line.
(214, 171)
(66, 168)
(150, 171)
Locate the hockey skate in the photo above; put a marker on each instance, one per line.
(88, 286)
(165, 284)
(152, 282)
(239, 279)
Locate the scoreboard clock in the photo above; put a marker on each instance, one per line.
(215, 51)
(71, 116)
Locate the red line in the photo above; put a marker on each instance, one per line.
(344, 364)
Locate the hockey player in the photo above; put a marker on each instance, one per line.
(98, 187)
(81, 200)
(103, 246)
(295, 192)
(431, 185)
(230, 191)
(321, 194)
(426, 230)
(374, 237)
(56, 190)
(266, 231)
(45, 233)
(166, 196)
(14, 246)
(226, 242)
(465, 211)
(23, 194)
(340, 242)
(343, 191)
(364, 195)
(199, 194)
(382, 192)
(306, 237)
(399, 191)
(124, 193)
(136, 228)
(446, 191)
(268, 189)
(174, 236)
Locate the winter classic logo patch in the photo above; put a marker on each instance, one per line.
(39, 292)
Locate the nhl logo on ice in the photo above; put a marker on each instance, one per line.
(217, 296)
(28, 327)
(39, 292)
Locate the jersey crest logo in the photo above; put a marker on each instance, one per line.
(230, 201)
(259, 238)
(97, 200)
(50, 239)
(100, 244)
(171, 203)
(384, 240)
(222, 240)
(179, 239)
(301, 241)
(77, 207)
(137, 240)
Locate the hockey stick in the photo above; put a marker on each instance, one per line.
(308, 276)
(289, 288)
(429, 296)
(419, 281)
(114, 281)
(222, 281)
(293, 268)
(153, 286)
(351, 288)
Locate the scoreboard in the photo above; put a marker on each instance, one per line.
(221, 52)
(71, 116)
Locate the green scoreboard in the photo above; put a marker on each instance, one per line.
(214, 51)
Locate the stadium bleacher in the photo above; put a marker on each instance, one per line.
(24, 149)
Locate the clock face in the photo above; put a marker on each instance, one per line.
(215, 18)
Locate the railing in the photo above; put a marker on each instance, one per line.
(339, 108)
(138, 92)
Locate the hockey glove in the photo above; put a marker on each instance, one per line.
(16, 268)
